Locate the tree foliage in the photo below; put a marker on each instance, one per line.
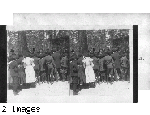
(78, 39)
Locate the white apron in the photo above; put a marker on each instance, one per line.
(89, 72)
(29, 70)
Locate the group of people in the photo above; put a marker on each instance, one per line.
(32, 68)
(91, 68)
(81, 70)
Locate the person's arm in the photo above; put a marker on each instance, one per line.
(32, 62)
(23, 61)
(84, 64)
(128, 63)
(91, 63)
(71, 67)
(121, 61)
(113, 60)
(24, 64)
(61, 61)
(53, 62)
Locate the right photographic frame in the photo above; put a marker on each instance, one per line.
(101, 64)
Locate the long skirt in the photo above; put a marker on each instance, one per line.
(90, 75)
(30, 74)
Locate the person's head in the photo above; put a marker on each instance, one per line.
(92, 55)
(20, 55)
(47, 50)
(27, 54)
(72, 51)
(33, 50)
(125, 54)
(108, 53)
(12, 51)
(49, 53)
(40, 51)
(80, 55)
(66, 54)
(30, 55)
(57, 48)
(97, 55)
(85, 54)
(117, 49)
(101, 56)
(73, 58)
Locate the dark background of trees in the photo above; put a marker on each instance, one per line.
(79, 40)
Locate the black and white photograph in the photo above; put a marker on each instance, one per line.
(72, 63)
(100, 62)
(38, 62)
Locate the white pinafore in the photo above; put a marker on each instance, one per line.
(29, 69)
(89, 72)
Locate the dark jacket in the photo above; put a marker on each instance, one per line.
(80, 64)
(13, 67)
(124, 62)
(116, 58)
(81, 70)
(49, 61)
(36, 62)
(101, 64)
(12, 57)
(64, 62)
(108, 60)
(74, 71)
(20, 65)
(73, 68)
(56, 57)
(95, 62)
(41, 64)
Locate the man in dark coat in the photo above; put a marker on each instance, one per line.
(110, 65)
(14, 73)
(64, 66)
(102, 68)
(41, 54)
(42, 69)
(74, 75)
(21, 70)
(116, 58)
(37, 67)
(81, 71)
(96, 66)
(73, 54)
(125, 67)
(50, 66)
(56, 56)
(12, 56)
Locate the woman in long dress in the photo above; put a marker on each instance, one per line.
(89, 72)
(29, 70)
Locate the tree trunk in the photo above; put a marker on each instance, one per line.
(83, 41)
(23, 43)
(51, 36)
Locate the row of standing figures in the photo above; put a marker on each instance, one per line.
(53, 68)
(26, 70)
(93, 69)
